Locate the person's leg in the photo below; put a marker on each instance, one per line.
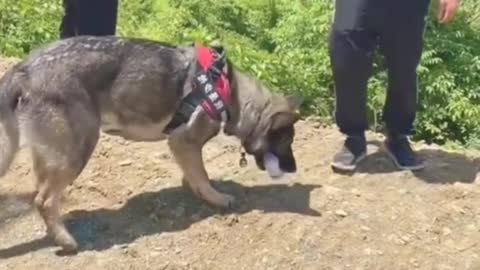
(67, 26)
(352, 43)
(97, 17)
(89, 17)
(402, 42)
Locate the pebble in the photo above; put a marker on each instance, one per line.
(446, 231)
(363, 216)
(365, 228)
(405, 238)
(341, 213)
(124, 163)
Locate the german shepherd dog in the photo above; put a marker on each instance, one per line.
(59, 98)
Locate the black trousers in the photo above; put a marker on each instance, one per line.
(360, 27)
(89, 17)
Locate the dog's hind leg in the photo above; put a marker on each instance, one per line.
(62, 142)
(51, 182)
(50, 185)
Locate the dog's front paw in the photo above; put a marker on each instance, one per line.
(225, 201)
(216, 198)
(185, 184)
(66, 241)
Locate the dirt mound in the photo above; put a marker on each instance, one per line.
(128, 211)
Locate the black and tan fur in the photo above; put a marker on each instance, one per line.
(60, 97)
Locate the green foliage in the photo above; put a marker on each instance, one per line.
(285, 44)
(450, 79)
(25, 24)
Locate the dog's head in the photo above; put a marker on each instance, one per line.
(274, 132)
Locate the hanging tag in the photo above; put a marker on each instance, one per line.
(243, 161)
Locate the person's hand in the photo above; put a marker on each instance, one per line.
(447, 9)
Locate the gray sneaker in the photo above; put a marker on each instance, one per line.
(353, 151)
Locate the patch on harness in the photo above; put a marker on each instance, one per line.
(210, 88)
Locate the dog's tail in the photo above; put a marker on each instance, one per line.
(10, 92)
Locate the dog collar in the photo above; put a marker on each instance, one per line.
(210, 88)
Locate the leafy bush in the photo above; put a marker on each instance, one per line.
(285, 44)
(450, 80)
(25, 24)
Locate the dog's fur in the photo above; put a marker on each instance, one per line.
(60, 96)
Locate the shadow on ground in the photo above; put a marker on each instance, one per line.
(169, 210)
(441, 167)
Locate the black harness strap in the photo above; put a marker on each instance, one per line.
(200, 92)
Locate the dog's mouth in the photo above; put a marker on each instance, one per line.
(259, 162)
(286, 164)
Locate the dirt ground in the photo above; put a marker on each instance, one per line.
(128, 211)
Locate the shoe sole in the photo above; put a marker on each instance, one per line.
(348, 168)
(399, 166)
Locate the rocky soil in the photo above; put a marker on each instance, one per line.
(128, 211)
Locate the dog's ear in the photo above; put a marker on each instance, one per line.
(217, 46)
(219, 49)
(284, 119)
(294, 101)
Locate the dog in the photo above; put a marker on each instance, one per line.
(62, 95)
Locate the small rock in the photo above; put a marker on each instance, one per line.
(405, 238)
(178, 250)
(365, 228)
(446, 231)
(317, 125)
(124, 163)
(154, 254)
(341, 213)
(367, 251)
(363, 216)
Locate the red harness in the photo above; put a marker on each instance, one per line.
(218, 94)
(210, 88)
